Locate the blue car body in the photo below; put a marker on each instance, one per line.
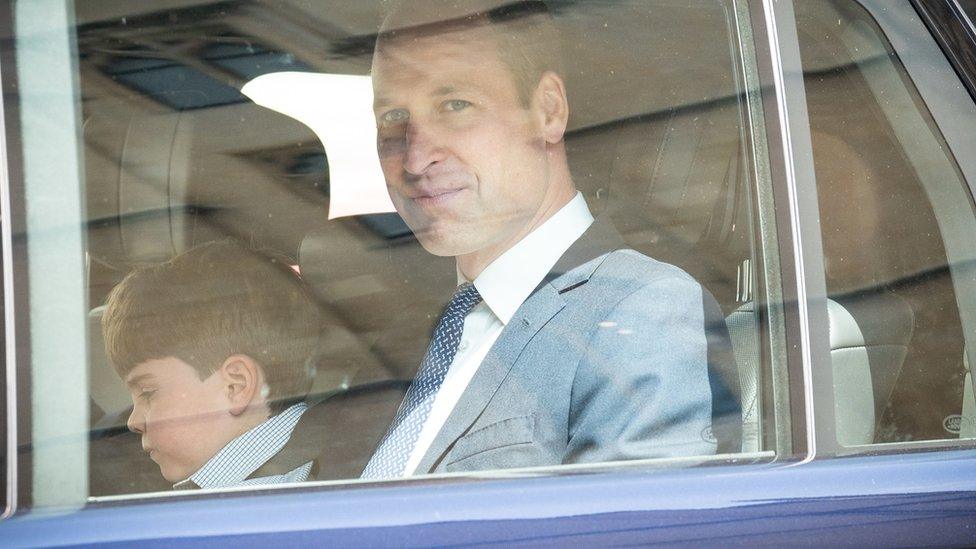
(926, 499)
(806, 488)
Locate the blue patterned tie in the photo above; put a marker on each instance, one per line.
(392, 455)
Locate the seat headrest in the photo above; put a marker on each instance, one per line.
(108, 392)
(382, 285)
(673, 177)
(159, 184)
(372, 278)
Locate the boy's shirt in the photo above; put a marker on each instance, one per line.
(245, 454)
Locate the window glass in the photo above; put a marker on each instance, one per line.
(969, 7)
(285, 209)
(896, 217)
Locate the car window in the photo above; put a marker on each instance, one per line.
(969, 7)
(239, 196)
(896, 216)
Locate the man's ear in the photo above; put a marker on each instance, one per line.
(242, 380)
(550, 99)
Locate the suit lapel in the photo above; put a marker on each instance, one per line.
(546, 300)
(530, 318)
(599, 239)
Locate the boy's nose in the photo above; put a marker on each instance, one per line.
(136, 422)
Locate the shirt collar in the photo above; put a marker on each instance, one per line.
(509, 280)
(246, 453)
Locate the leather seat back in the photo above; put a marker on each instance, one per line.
(967, 429)
(107, 391)
(869, 338)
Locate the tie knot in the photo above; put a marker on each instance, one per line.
(465, 298)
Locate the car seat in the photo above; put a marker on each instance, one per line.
(869, 337)
(967, 428)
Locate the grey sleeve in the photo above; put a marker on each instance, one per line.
(641, 388)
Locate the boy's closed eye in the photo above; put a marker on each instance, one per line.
(140, 387)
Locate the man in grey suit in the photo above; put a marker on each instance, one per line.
(559, 346)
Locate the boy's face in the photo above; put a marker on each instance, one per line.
(183, 420)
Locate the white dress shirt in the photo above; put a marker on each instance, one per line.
(504, 285)
(247, 453)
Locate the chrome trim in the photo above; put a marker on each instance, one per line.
(964, 16)
(769, 241)
(10, 356)
(943, 444)
(779, 78)
(539, 471)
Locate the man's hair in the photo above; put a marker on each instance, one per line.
(214, 301)
(525, 32)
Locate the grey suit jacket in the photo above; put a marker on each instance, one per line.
(605, 361)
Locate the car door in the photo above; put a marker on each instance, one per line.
(810, 164)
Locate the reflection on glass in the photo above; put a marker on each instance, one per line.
(339, 109)
(893, 204)
(207, 124)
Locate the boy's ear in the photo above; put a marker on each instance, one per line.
(242, 381)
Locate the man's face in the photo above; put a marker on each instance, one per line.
(464, 159)
(181, 418)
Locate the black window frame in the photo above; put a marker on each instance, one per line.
(953, 30)
(16, 320)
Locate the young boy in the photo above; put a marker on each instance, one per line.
(217, 348)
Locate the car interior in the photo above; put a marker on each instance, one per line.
(659, 143)
(897, 347)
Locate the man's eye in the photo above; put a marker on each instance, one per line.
(395, 116)
(147, 394)
(456, 105)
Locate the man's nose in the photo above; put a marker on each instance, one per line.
(424, 148)
(137, 420)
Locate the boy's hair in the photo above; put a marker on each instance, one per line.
(525, 31)
(216, 300)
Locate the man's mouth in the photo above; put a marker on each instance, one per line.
(436, 197)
